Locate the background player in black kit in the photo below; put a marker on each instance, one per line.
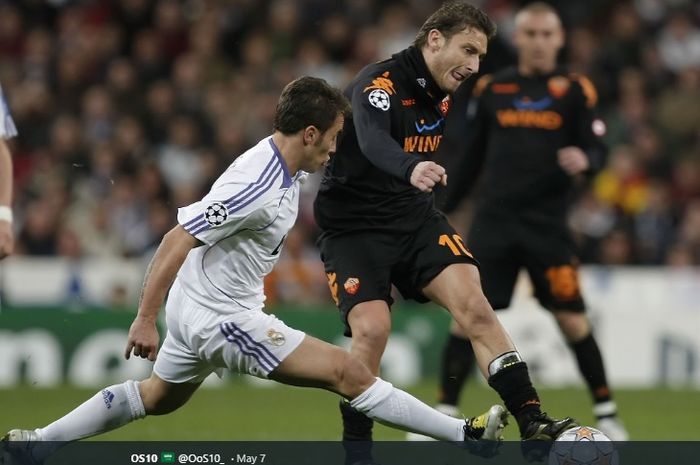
(379, 225)
(532, 133)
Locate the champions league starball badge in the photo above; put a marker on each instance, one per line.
(215, 214)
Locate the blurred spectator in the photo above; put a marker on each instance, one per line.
(623, 184)
(616, 248)
(170, 26)
(177, 157)
(654, 225)
(689, 229)
(397, 29)
(679, 43)
(679, 106)
(685, 181)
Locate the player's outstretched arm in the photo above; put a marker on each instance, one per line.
(427, 174)
(143, 335)
(6, 233)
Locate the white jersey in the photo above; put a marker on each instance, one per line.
(7, 125)
(242, 222)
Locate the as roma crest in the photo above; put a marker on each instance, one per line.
(558, 86)
(352, 285)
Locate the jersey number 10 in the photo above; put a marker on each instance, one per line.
(456, 244)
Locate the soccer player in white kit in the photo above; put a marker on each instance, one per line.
(216, 259)
(7, 131)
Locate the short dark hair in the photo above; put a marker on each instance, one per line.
(536, 8)
(453, 17)
(308, 101)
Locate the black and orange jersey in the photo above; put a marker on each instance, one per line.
(398, 117)
(516, 125)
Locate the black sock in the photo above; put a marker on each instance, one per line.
(515, 388)
(458, 361)
(357, 434)
(590, 364)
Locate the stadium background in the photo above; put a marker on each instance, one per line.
(127, 109)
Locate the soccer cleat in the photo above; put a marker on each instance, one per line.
(543, 428)
(540, 433)
(613, 428)
(18, 446)
(483, 434)
(488, 426)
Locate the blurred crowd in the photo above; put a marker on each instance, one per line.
(127, 109)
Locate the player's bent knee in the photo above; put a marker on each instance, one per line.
(352, 377)
(159, 398)
(370, 332)
(370, 323)
(575, 326)
(161, 406)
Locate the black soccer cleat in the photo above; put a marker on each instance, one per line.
(543, 428)
(540, 433)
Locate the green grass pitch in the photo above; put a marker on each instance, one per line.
(240, 411)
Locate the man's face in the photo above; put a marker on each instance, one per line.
(451, 61)
(318, 153)
(538, 38)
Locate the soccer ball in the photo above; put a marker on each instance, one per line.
(583, 446)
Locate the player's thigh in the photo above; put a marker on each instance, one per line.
(551, 261)
(250, 342)
(201, 341)
(178, 363)
(358, 269)
(432, 248)
(178, 359)
(315, 363)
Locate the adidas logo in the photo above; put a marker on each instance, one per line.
(108, 397)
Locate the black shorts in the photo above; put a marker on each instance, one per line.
(362, 266)
(545, 249)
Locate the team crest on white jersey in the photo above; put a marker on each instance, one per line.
(379, 98)
(275, 337)
(215, 214)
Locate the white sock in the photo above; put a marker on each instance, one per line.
(394, 407)
(605, 409)
(110, 408)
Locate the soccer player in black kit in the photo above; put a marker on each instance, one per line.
(379, 226)
(532, 131)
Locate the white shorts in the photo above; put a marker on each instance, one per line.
(200, 341)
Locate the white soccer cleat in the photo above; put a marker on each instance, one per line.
(18, 446)
(613, 428)
(447, 409)
(483, 434)
(488, 426)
